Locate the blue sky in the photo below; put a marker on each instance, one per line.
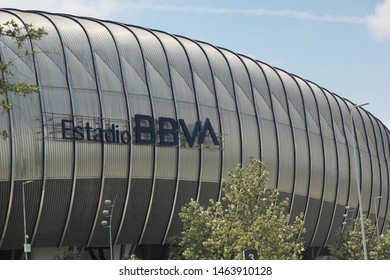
(342, 45)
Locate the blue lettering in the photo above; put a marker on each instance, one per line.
(166, 132)
(88, 128)
(207, 127)
(144, 134)
(98, 134)
(66, 126)
(110, 135)
(78, 133)
(125, 137)
(190, 137)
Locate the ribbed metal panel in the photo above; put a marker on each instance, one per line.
(106, 59)
(78, 53)
(251, 143)
(302, 163)
(5, 191)
(14, 236)
(205, 92)
(386, 136)
(299, 205)
(323, 223)
(112, 98)
(159, 215)
(337, 156)
(270, 149)
(383, 201)
(186, 103)
(131, 60)
(287, 166)
(226, 100)
(189, 157)
(245, 106)
(5, 145)
(333, 160)
(242, 84)
(48, 55)
(284, 137)
(278, 96)
(261, 102)
(343, 190)
(115, 189)
(134, 76)
(364, 161)
(135, 214)
(84, 90)
(222, 79)
(54, 213)
(200, 67)
(314, 205)
(317, 165)
(260, 88)
(373, 144)
(208, 191)
(347, 169)
(329, 148)
(5, 151)
(86, 200)
(55, 98)
(159, 83)
(26, 113)
(155, 58)
(318, 159)
(187, 190)
(180, 72)
(337, 222)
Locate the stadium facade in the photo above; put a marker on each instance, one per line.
(150, 120)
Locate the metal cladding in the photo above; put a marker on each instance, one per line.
(156, 119)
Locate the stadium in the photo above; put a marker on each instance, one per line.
(149, 120)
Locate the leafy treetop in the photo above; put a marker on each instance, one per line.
(250, 216)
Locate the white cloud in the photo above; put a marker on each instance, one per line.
(105, 8)
(303, 15)
(91, 8)
(379, 23)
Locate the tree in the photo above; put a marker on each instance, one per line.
(349, 244)
(250, 216)
(382, 249)
(18, 34)
(70, 254)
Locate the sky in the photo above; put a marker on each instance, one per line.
(341, 45)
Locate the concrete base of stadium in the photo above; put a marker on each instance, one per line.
(121, 252)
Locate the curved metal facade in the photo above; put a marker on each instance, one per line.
(102, 72)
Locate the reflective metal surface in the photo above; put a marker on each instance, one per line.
(101, 71)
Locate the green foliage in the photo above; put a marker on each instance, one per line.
(250, 216)
(4, 134)
(132, 257)
(382, 249)
(19, 34)
(349, 244)
(71, 254)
